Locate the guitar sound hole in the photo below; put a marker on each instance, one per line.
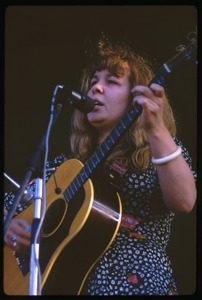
(54, 217)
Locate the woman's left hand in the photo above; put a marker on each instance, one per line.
(152, 100)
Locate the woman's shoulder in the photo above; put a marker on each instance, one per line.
(57, 160)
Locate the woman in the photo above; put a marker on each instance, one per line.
(149, 167)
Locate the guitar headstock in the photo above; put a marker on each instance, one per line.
(185, 53)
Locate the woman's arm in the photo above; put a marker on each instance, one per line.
(175, 177)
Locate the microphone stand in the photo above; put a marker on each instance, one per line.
(34, 256)
(31, 169)
(34, 267)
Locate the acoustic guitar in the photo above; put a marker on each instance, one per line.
(79, 225)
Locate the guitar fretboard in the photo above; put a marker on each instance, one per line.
(101, 152)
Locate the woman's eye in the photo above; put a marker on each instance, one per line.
(93, 82)
(112, 81)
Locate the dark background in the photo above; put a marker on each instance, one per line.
(45, 46)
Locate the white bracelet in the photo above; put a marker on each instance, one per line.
(163, 160)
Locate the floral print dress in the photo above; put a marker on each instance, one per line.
(136, 263)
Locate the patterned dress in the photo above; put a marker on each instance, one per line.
(136, 263)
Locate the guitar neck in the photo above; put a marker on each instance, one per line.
(102, 151)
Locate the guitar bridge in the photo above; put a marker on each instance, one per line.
(23, 263)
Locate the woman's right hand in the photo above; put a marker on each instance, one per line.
(18, 235)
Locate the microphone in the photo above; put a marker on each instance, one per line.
(80, 101)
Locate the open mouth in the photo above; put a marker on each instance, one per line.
(98, 103)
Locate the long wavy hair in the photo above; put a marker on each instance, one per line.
(133, 149)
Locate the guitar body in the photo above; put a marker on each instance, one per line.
(74, 235)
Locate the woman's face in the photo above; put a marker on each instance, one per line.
(113, 94)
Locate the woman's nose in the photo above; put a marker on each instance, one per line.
(97, 88)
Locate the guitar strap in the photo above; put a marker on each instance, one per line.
(115, 171)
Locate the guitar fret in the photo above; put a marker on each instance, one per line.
(68, 194)
(97, 157)
(81, 179)
(71, 191)
(129, 115)
(115, 135)
(116, 131)
(91, 164)
(83, 175)
(87, 169)
(123, 125)
(110, 140)
(73, 185)
(104, 144)
(101, 151)
(76, 183)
